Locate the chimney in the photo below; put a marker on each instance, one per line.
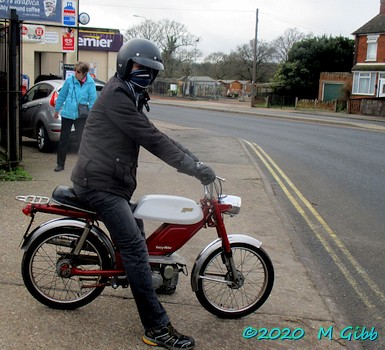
(382, 7)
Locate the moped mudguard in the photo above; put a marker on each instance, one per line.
(68, 222)
(204, 254)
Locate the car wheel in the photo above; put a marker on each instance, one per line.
(43, 142)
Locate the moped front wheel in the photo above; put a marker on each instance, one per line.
(219, 294)
(47, 263)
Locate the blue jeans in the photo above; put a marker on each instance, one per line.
(116, 214)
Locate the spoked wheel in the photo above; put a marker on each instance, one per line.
(46, 269)
(220, 295)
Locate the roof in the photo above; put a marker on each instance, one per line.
(227, 81)
(201, 78)
(198, 78)
(369, 67)
(374, 26)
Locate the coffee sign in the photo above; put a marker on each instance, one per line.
(62, 12)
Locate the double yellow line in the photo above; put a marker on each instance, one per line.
(319, 227)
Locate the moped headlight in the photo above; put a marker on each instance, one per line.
(234, 201)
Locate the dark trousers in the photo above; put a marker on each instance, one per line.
(116, 214)
(66, 125)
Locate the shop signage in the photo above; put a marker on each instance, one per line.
(33, 33)
(68, 40)
(49, 11)
(100, 41)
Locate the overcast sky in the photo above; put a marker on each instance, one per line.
(222, 25)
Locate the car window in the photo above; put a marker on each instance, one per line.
(29, 96)
(98, 90)
(43, 91)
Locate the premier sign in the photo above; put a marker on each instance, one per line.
(100, 41)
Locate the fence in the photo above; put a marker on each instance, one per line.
(271, 100)
(333, 106)
(3, 87)
(10, 140)
(354, 106)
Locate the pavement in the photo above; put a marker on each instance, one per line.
(299, 304)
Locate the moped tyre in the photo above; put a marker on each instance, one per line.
(220, 296)
(46, 262)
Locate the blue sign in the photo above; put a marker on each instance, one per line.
(35, 10)
(69, 15)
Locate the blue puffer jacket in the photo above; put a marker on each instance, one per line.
(73, 93)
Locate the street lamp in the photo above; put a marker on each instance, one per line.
(146, 32)
(140, 17)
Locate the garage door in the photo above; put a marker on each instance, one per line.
(333, 91)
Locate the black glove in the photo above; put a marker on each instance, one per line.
(199, 170)
(205, 174)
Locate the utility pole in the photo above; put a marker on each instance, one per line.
(254, 80)
(195, 69)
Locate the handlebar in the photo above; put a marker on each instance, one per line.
(209, 189)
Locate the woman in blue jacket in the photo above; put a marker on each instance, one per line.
(78, 88)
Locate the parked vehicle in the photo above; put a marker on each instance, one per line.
(37, 110)
(68, 261)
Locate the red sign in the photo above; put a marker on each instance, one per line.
(68, 40)
(39, 31)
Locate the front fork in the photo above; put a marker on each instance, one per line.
(227, 256)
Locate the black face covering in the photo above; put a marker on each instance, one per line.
(141, 78)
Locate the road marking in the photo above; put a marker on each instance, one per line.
(280, 176)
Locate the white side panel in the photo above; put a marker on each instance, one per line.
(168, 209)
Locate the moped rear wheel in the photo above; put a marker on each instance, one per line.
(46, 269)
(217, 291)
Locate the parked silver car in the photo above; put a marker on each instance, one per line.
(38, 108)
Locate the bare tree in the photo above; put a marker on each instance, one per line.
(285, 42)
(217, 65)
(239, 63)
(245, 56)
(148, 30)
(173, 39)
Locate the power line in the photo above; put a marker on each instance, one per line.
(93, 3)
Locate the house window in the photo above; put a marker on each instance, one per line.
(364, 83)
(381, 85)
(371, 51)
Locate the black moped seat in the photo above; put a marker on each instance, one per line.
(66, 197)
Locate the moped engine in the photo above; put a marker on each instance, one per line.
(165, 278)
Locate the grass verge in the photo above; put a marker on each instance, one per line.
(14, 174)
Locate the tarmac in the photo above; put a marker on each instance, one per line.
(299, 306)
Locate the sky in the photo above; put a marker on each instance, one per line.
(222, 25)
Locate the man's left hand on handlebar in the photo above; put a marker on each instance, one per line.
(201, 171)
(205, 174)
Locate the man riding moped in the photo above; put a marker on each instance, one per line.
(104, 176)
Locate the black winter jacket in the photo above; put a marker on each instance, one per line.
(115, 130)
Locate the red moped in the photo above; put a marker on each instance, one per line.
(68, 261)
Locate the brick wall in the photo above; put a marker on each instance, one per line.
(335, 77)
(362, 46)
